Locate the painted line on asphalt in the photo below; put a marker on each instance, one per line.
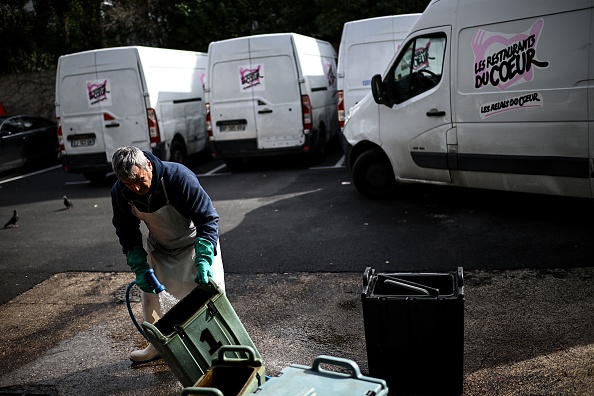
(77, 182)
(30, 174)
(339, 164)
(214, 171)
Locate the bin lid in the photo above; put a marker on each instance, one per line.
(302, 380)
(417, 285)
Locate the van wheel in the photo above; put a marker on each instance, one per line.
(373, 176)
(177, 152)
(95, 177)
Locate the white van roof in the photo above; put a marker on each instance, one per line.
(382, 28)
(125, 55)
(268, 42)
(468, 13)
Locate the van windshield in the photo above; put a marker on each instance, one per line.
(419, 67)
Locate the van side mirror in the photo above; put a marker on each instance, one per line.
(380, 92)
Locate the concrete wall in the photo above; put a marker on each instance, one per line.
(29, 93)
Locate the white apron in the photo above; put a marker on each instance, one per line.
(171, 254)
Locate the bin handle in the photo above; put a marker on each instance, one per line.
(336, 361)
(411, 285)
(460, 281)
(367, 274)
(252, 360)
(211, 285)
(198, 391)
(150, 328)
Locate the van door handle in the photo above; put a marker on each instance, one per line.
(435, 113)
(265, 111)
(115, 125)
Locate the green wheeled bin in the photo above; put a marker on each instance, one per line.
(191, 333)
(230, 376)
(414, 331)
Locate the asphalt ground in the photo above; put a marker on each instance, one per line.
(527, 332)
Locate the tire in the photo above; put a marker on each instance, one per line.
(177, 152)
(373, 176)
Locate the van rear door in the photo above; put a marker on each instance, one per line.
(232, 109)
(102, 102)
(257, 96)
(367, 47)
(277, 98)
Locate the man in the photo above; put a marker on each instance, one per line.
(182, 243)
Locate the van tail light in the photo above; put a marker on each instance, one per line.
(153, 125)
(341, 109)
(307, 114)
(108, 117)
(209, 123)
(61, 138)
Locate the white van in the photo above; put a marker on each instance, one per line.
(482, 94)
(366, 47)
(152, 98)
(271, 94)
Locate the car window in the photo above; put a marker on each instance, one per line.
(11, 126)
(30, 123)
(419, 67)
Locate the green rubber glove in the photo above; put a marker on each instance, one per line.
(204, 258)
(136, 258)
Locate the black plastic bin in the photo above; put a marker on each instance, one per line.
(414, 331)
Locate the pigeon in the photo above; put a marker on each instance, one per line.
(13, 220)
(67, 202)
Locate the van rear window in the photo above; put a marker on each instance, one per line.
(115, 91)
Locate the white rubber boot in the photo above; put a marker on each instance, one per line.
(144, 355)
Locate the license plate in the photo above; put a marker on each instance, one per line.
(82, 142)
(232, 128)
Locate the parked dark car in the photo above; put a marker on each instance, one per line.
(27, 139)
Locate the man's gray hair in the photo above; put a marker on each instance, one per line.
(125, 159)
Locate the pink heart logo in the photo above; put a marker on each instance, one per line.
(497, 55)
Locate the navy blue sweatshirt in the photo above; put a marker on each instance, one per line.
(185, 194)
